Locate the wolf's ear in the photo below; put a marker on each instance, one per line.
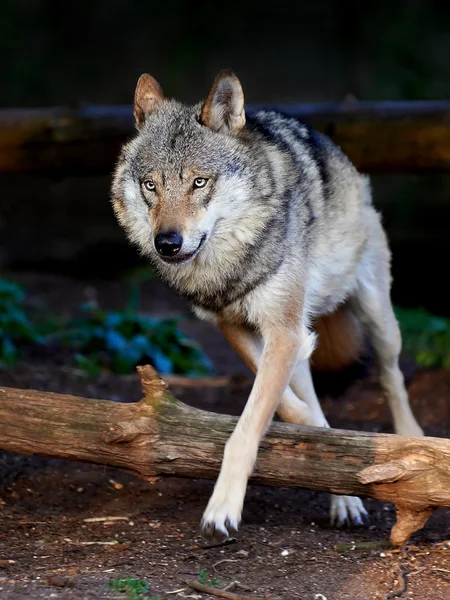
(223, 109)
(147, 95)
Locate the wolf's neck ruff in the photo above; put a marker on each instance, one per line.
(228, 268)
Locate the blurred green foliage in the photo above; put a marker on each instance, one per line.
(131, 589)
(120, 340)
(426, 338)
(15, 324)
(98, 339)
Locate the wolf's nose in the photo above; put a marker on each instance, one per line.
(168, 244)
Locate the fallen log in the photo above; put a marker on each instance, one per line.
(380, 137)
(161, 436)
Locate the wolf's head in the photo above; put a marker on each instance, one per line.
(181, 185)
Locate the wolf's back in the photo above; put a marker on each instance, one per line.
(325, 175)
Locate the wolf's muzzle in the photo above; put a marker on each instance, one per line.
(180, 257)
(168, 244)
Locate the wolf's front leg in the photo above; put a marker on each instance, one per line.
(283, 347)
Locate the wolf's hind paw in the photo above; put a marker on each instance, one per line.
(347, 510)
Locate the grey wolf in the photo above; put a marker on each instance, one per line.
(266, 227)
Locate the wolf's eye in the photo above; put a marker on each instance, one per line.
(200, 182)
(149, 185)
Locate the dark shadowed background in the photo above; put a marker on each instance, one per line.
(59, 238)
(92, 52)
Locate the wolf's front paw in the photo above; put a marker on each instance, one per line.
(347, 510)
(223, 511)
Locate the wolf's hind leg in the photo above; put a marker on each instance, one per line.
(344, 509)
(372, 305)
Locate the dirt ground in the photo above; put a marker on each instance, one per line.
(285, 547)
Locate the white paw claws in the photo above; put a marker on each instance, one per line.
(223, 511)
(347, 510)
(218, 528)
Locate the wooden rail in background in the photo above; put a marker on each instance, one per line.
(380, 137)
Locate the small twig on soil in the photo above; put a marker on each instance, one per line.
(102, 519)
(229, 586)
(222, 561)
(27, 522)
(380, 544)
(438, 569)
(218, 592)
(417, 571)
(176, 591)
(226, 542)
(113, 543)
(237, 584)
(401, 576)
(432, 551)
(445, 573)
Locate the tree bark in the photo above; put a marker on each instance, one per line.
(379, 137)
(161, 436)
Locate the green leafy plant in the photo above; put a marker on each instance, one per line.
(98, 339)
(119, 341)
(15, 326)
(134, 588)
(426, 337)
(205, 579)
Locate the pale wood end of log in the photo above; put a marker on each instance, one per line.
(161, 436)
(424, 480)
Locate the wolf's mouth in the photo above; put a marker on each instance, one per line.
(184, 258)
